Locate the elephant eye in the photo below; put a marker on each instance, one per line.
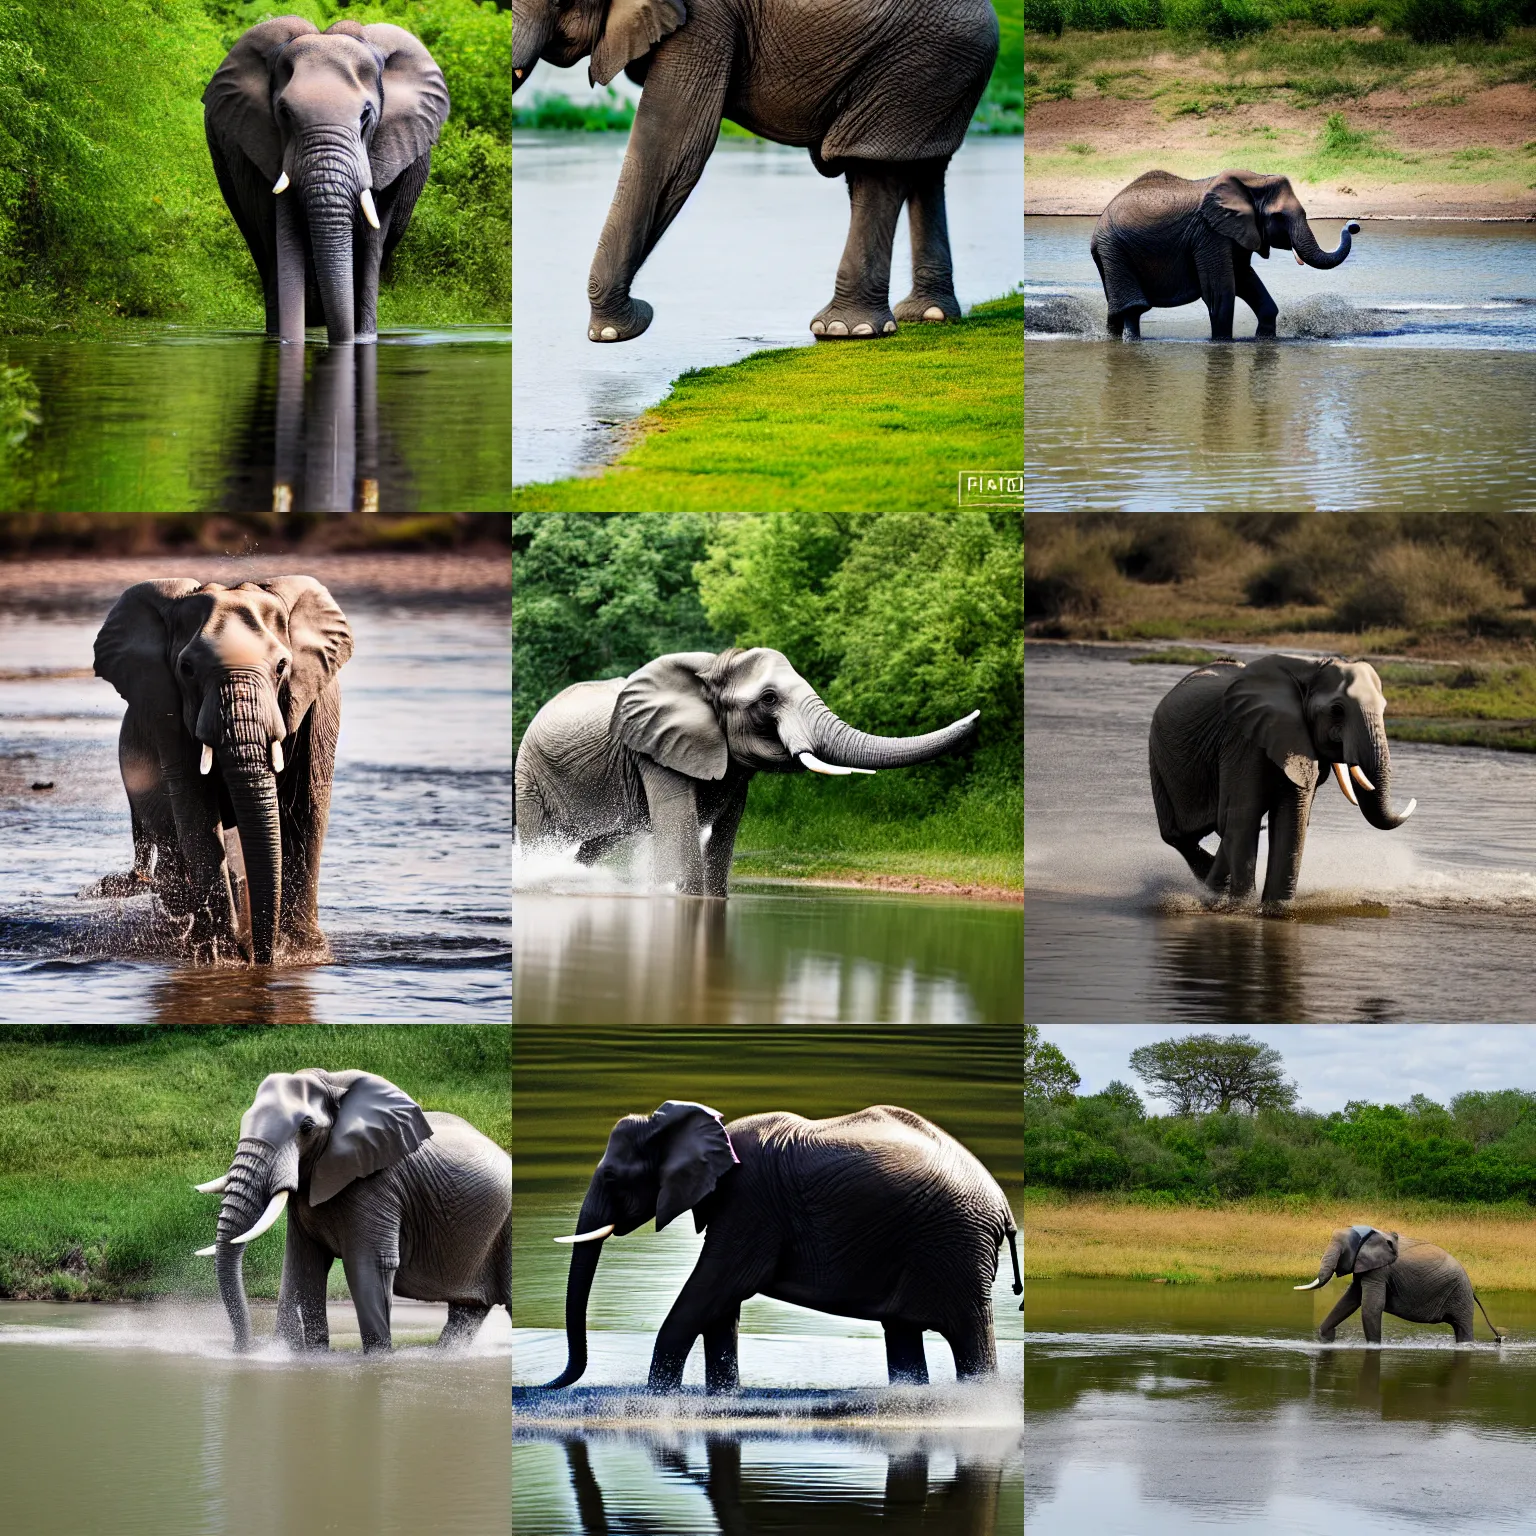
(768, 697)
(186, 668)
(307, 1124)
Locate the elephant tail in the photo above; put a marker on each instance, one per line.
(1011, 1233)
(1498, 1337)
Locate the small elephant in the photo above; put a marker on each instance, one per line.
(1165, 241)
(346, 118)
(1405, 1276)
(233, 710)
(671, 749)
(877, 1214)
(1231, 744)
(413, 1203)
(878, 90)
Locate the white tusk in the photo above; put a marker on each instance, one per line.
(281, 185)
(1344, 784)
(1405, 814)
(213, 1186)
(206, 1253)
(369, 211)
(816, 765)
(1299, 261)
(1360, 778)
(206, 762)
(277, 757)
(1310, 1286)
(273, 1211)
(587, 1237)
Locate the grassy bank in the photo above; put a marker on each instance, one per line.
(829, 427)
(1115, 1238)
(103, 1132)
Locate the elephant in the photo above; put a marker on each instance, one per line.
(230, 734)
(1405, 1276)
(347, 119)
(413, 1203)
(1165, 241)
(671, 749)
(877, 1214)
(879, 91)
(1231, 744)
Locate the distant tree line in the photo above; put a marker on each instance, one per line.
(1425, 21)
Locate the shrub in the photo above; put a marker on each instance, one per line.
(1444, 21)
(1174, 549)
(1220, 20)
(1047, 16)
(1075, 576)
(1409, 585)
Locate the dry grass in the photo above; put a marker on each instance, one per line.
(1107, 1238)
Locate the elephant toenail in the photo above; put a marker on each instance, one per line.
(609, 333)
(933, 312)
(863, 330)
(890, 325)
(819, 326)
(592, 333)
(837, 328)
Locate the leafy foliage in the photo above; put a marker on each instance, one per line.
(1214, 1072)
(1426, 21)
(1047, 1073)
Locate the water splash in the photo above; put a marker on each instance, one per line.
(1325, 317)
(1064, 314)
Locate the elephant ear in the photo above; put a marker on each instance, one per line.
(1376, 1251)
(318, 636)
(662, 713)
(696, 1153)
(1228, 207)
(632, 29)
(376, 1125)
(1264, 702)
(237, 105)
(415, 102)
(132, 649)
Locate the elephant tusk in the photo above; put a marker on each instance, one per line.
(517, 74)
(1360, 778)
(213, 1186)
(205, 763)
(273, 1211)
(280, 185)
(1405, 813)
(277, 757)
(1344, 784)
(588, 1237)
(1311, 1285)
(816, 765)
(369, 211)
(1299, 261)
(206, 1253)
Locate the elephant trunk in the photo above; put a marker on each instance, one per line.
(1376, 802)
(1325, 1270)
(530, 35)
(245, 1196)
(1304, 243)
(836, 742)
(578, 1287)
(245, 760)
(334, 176)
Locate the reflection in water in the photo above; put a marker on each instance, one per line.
(326, 454)
(233, 994)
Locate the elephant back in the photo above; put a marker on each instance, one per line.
(565, 762)
(1427, 1283)
(1148, 204)
(1184, 748)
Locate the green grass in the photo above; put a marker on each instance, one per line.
(104, 1131)
(885, 424)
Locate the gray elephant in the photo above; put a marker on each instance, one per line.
(233, 711)
(413, 1203)
(1231, 744)
(877, 1214)
(880, 91)
(1165, 241)
(321, 142)
(1405, 1276)
(671, 749)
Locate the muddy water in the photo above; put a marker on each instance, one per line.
(1153, 1410)
(1345, 411)
(1432, 923)
(413, 889)
(141, 1421)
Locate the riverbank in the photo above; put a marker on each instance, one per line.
(1366, 125)
(1263, 1239)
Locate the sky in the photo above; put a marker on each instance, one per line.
(1331, 1063)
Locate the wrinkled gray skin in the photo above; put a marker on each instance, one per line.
(250, 672)
(1405, 1276)
(671, 750)
(877, 1214)
(1231, 744)
(413, 1204)
(878, 90)
(349, 113)
(1166, 241)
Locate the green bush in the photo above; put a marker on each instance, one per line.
(1411, 585)
(1446, 21)
(1220, 20)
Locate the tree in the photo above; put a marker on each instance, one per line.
(1047, 1073)
(1199, 1073)
(1124, 1098)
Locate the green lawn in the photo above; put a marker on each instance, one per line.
(830, 427)
(103, 1132)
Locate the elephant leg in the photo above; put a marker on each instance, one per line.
(304, 812)
(904, 1357)
(974, 1347)
(1200, 862)
(1221, 870)
(722, 841)
(1288, 818)
(1346, 1306)
(860, 303)
(370, 1279)
(301, 1319)
(1240, 849)
(1218, 287)
(290, 271)
(1126, 324)
(674, 814)
(725, 1275)
(933, 276)
(1255, 295)
(595, 847)
(463, 1324)
(1373, 1293)
(721, 1371)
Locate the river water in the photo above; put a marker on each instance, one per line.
(1346, 411)
(164, 419)
(413, 886)
(1431, 923)
(140, 1420)
(1156, 1410)
(748, 261)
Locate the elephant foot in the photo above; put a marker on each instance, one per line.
(930, 307)
(621, 325)
(841, 321)
(1326, 1335)
(133, 883)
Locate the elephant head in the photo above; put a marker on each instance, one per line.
(1354, 1251)
(563, 31)
(655, 1165)
(1303, 711)
(1257, 212)
(696, 713)
(329, 118)
(222, 676)
(310, 1133)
